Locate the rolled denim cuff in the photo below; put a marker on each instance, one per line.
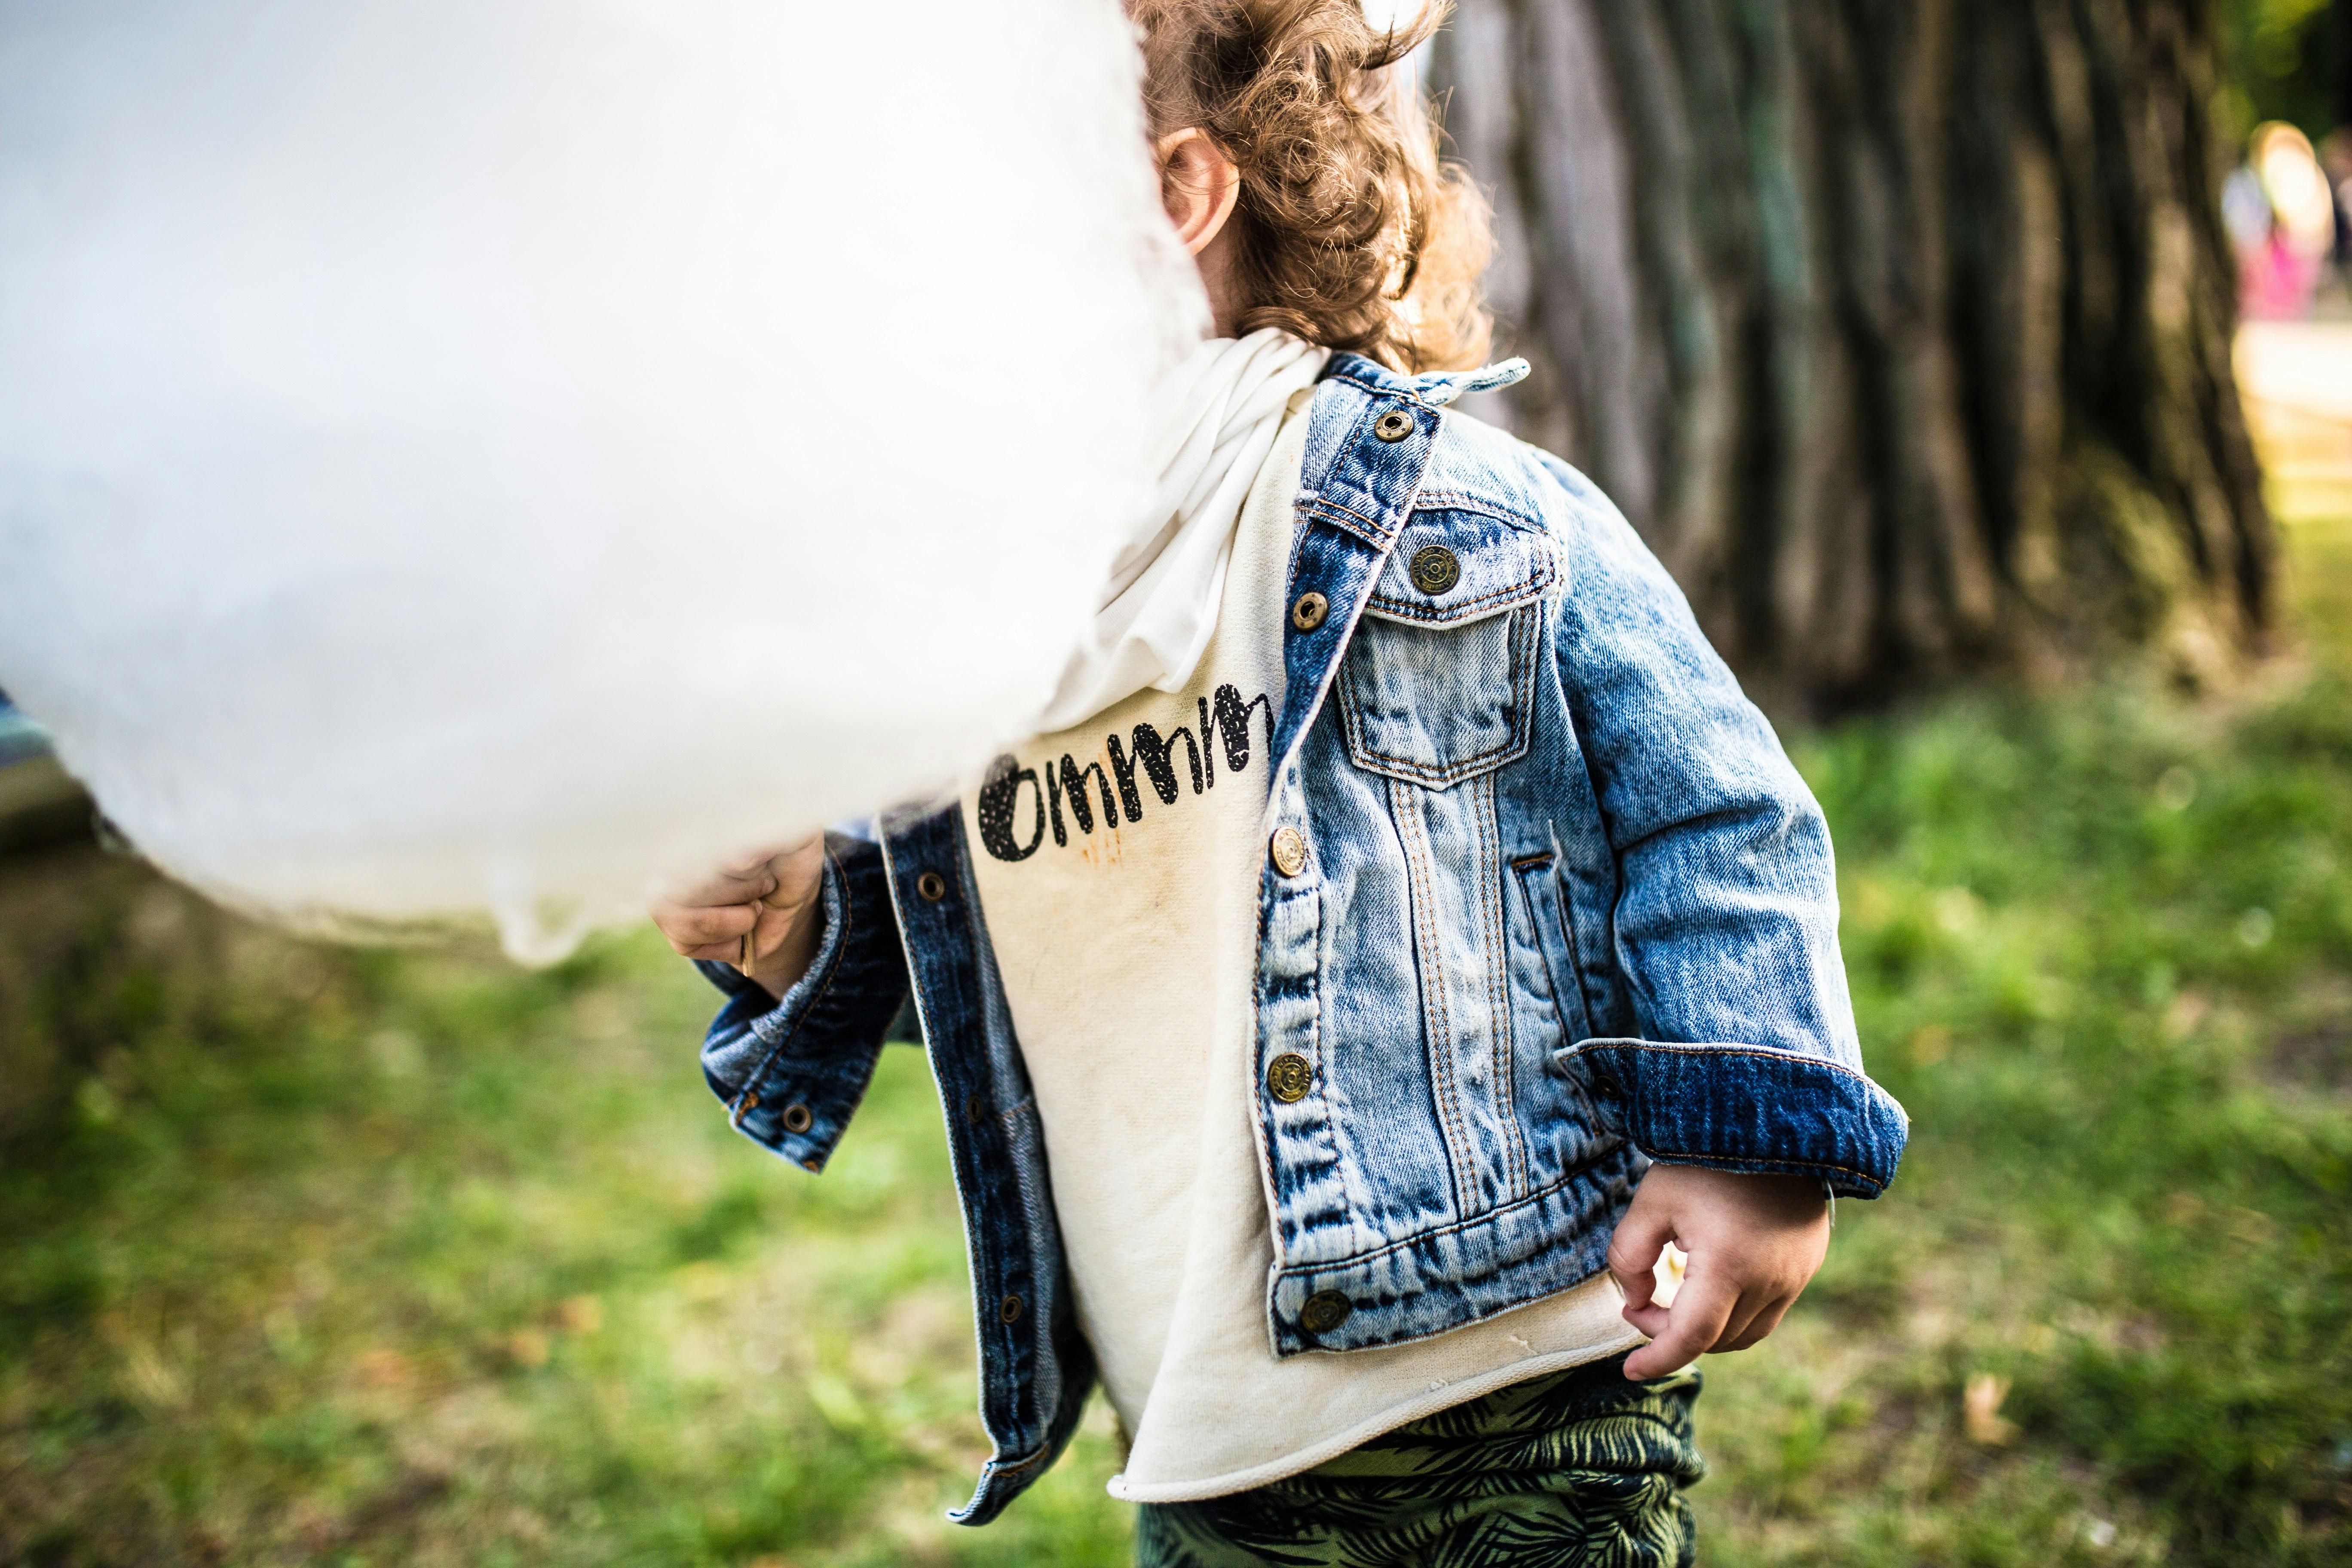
(793, 1070)
(1750, 1109)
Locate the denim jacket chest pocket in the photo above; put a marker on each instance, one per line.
(1438, 683)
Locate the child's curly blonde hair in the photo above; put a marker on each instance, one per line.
(1351, 232)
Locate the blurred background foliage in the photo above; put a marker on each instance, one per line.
(2285, 60)
(315, 1254)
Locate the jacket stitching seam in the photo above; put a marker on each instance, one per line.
(1399, 393)
(1545, 867)
(1454, 772)
(1526, 588)
(1009, 1466)
(1308, 1271)
(1730, 1050)
(1268, 1133)
(1424, 921)
(1437, 1019)
(1769, 1159)
(1470, 501)
(1432, 1012)
(1498, 991)
(1341, 516)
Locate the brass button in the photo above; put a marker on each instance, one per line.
(1288, 1078)
(1009, 1310)
(1289, 850)
(797, 1119)
(1308, 613)
(1435, 569)
(1324, 1311)
(1393, 426)
(933, 886)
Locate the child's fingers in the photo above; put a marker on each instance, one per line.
(1693, 1323)
(1751, 1305)
(691, 927)
(750, 866)
(1634, 1250)
(1651, 1320)
(1640, 1288)
(722, 888)
(1761, 1325)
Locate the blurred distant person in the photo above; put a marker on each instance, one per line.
(2246, 213)
(2281, 211)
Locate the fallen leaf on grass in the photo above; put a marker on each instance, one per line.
(153, 1379)
(1980, 1416)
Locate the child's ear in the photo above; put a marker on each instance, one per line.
(1198, 183)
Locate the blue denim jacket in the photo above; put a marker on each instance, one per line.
(1564, 908)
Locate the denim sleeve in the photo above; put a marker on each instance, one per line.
(791, 1071)
(1725, 921)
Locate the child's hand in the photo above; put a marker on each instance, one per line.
(777, 898)
(1754, 1243)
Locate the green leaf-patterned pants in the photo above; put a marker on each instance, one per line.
(1580, 1469)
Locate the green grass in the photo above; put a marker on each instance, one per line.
(314, 1255)
(2102, 950)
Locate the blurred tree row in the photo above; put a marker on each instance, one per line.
(2286, 59)
(1900, 328)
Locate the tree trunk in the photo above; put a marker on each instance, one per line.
(1899, 328)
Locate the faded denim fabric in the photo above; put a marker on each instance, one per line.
(1567, 908)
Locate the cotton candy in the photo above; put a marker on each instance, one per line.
(467, 456)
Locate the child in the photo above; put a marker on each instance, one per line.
(1402, 930)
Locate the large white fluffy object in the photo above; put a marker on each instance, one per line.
(489, 455)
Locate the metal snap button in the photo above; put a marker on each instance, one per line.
(1288, 1078)
(1308, 613)
(975, 1109)
(1603, 1084)
(933, 886)
(1393, 426)
(1324, 1311)
(797, 1119)
(1009, 1310)
(1289, 850)
(1435, 569)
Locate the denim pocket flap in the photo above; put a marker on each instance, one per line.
(1435, 705)
(1452, 566)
